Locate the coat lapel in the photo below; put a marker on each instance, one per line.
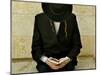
(61, 31)
(52, 32)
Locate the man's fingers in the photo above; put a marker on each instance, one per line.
(62, 64)
(53, 61)
(53, 66)
(62, 60)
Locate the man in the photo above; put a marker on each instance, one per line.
(56, 40)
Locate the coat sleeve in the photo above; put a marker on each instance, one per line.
(76, 41)
(36, 43)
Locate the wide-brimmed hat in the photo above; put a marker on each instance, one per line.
(57, 12)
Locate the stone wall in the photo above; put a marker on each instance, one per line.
(23, 24)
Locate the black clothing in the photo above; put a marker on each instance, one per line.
(46, 42)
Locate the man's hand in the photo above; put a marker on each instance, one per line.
(56, 64)
(54, 60)
(63, 62)
(52, 64)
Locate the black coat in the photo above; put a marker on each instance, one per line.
(45, 41)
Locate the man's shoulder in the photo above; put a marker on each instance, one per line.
(40, 15)
(73, 15)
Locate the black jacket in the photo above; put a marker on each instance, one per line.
(45, 41)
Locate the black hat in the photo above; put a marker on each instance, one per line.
(57, 12)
